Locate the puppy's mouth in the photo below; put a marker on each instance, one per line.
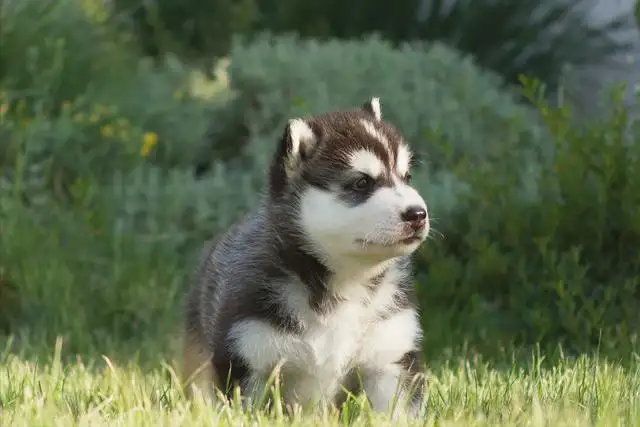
(414, 238)
(410, 240)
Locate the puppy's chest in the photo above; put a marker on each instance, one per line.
(336, 338)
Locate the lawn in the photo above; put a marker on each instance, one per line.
(581, 392)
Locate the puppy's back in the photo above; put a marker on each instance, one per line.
(196, 369)
(222, 261)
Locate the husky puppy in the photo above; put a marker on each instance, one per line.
(316, 280)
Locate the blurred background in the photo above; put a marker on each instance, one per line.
(133, 130)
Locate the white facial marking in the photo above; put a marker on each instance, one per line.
(366, 233)
(367, 162)
(403, 159)
(374, 132)
(375, 107)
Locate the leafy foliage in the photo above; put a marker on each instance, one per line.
(440, 99)
(69, 52)
(551, 253)
(96, 185)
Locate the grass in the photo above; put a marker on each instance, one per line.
(579, 392)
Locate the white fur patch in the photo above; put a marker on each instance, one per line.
(375, 107)
(367, 162)
(385, 343)
(302, 137)
(301, 133)
(371, 129)
(263, 347)
(382, 386)
(403, 160)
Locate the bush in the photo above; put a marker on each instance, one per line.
(442, 101)
(108, 273)
(69, 52)
(551, 259)
(98, 207)
(100, 255)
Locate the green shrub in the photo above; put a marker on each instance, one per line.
(438, 98)
(56, 51)
(101, 254)
(98, 206)
(96, 136)
(109, 271)
(552, 259)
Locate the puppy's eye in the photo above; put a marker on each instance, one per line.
(364, 183)
(407, 177)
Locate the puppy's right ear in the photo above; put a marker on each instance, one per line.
(298, 142)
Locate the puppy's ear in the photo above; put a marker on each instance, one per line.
(299, 140)
(372, 107)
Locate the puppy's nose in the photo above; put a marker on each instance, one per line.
(416, 216)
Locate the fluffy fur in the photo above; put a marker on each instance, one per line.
(317, 276)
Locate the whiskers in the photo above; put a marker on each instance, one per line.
(433, 233)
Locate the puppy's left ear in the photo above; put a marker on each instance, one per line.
(372, 107)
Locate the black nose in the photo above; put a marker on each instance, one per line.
(416, 216)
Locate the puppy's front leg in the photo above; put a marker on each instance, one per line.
(394, 386)
(390, 362)
(263, 348)
(381, 384)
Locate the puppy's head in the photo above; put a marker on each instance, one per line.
(347, 176)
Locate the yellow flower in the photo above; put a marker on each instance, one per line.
(107, 131)
(149, 140)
